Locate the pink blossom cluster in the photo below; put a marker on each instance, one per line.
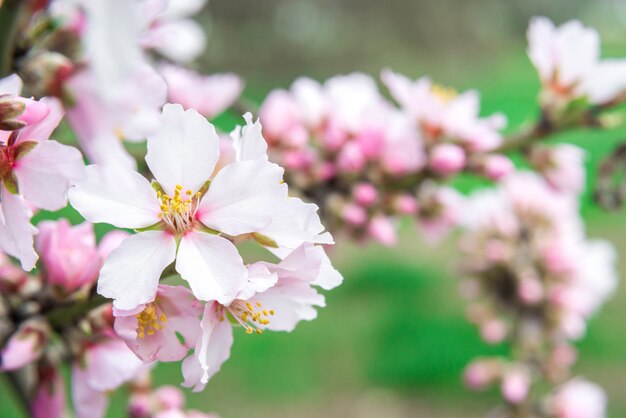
(164, 402)
(534, 280)
(368, 161)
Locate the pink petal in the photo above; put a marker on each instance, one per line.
(131, 274)
(212, 266)
(46, 172)
(88, 402)
(43, 129)
(16, 231)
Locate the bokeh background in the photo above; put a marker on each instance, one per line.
(393, 341)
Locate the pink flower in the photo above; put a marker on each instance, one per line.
(481, 373)
(169, 30)
(209, 95)
(578, 398)
(152, 330)
(181, 213)
(276, 298)
(354, 214)
(69, 254)
(568, 61)
(562, 165)
(35, 171)
(105, 364)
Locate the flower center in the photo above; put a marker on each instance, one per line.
(444, 94)
(178, 212)
(149, 321)
(249, 315)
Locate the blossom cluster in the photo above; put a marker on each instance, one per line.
(534, 281)
(368, 161)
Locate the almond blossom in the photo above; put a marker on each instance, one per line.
(276, 298)
(183, 216)
(567, 58)
(35, 173)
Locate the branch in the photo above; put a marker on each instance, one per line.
(10, 11)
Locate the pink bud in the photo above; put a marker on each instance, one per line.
(497, 167)
(68, 253)
(35, 112)
(298, 159)
(564, 355)
(334, 137)
(49, 401)
(515, 385)
(326, 171)
(12, 278)
(365, 194)
(354, 214)
(480, 374)
(530, 290)
(371, 143)
(351, 159)
(169, 397)
(447, 159)
(24, 346)
(405, 204)
(493, 331)
(496, 250)
(382, 229)
(139, 406)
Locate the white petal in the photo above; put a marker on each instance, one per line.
(11, 85)
(88, 403)
(292, 301)
(184, 151)
(242, 197)
(16, 231)
(213, 348)
(294, 223)
(212, 266)
(117, 197)
(131, 273)
(249, 142)
(45, 173)
(180, 41)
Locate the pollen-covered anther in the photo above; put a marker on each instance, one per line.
(443, 93)
(178, 212)
(251, 316)
(149, 321)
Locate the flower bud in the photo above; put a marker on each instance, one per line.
(496, 167)
(447, 159)
(382, 229)
(515, 385)
(481, 373)
(24, 346)
(354, 214)
(49, 401)
(169, 397)
(68, 253)
(405, 204)
(365, 194)
(351, 159)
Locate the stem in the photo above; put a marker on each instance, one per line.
(15, 382)
(63, 316)
(10, 11)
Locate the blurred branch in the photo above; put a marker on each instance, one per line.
(611, 187)
(10, 11)
(63, 316)
(19, 388)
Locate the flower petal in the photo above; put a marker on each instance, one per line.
(131, 273)
(212, 350)
(44, 128)
(118, 197)
(212, 266)
(248, 141)
(46, 172)
(184, 151)
(16, 231)
(11, 85)
(88, 403)
(242, 197)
